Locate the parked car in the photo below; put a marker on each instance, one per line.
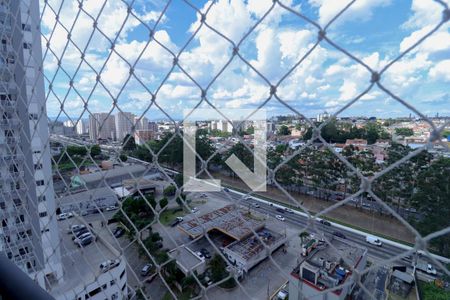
(205, 253)
(146, 269)
(280, 218)
(280, 210)
(339, 234)
(111, 208)
(324, 222)
(289, 210)
(84, 235)
(194, 210)
(118, 232)
(373, 240)
(64, 216)
(86, 241)
(75, 228)
(226, 190)
(203, 195)
(108, 265)
(177, 221)
(79, 233)
(256, 204)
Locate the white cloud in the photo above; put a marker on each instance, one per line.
(441, 71)
(359, 11)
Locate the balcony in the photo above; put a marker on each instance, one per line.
(9, 123)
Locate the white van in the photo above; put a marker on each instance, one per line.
(373, 240)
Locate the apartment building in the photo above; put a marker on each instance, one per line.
(102, 126)
(124, 124)
(141, 123)
(28, 232)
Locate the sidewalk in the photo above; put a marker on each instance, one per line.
(369, 221)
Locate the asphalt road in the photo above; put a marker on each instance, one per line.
(385, 252)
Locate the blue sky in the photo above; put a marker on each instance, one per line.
(374, 31)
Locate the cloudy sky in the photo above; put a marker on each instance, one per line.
(326, 79)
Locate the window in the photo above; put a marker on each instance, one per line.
(37, 152)
(41, 198)
(34, 117)
(17, 202)
(112, 282)
(26, 27)
(5, 223)
(37, 166)
(2, 205)
(42, 214)
(121, 275)
(40, 182)
(93, 292)
(27, 45)
(20, 219)
(6, 239)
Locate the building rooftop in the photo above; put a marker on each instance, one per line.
(328, 266)
(251, 246)
(85, 196)
(229, 220)
(114, 176)
(81, 263)
(186, 259)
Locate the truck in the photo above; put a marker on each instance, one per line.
(425, 267)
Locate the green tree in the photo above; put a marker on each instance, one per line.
(431, 199)
(76, 150)
(302, 235)
(163, 202)
(404, 131)
(128, 143)
(95, 150)
(218, 268)
(123, 157)
(170, 190)
(284, 130)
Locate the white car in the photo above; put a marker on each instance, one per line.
(75, 228)
(373, 240)
(194, 210)
(108, 265)
(256, 205)
(280, 218)
(111, 208)
(64, 216)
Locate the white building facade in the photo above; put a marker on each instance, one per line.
(124, 124)
(29, 236)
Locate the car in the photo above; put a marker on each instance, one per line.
(118, 232)
(177, 221)
(226, 190)
(256, 205)
(324, 222)
(282, 295)
(146, 269)
(280, 210)
(84, 235)
(75, 228)
(203, 195)
(194, 210)
(86, 241)
(280, 218)
(111, 208)
(373, 240)
(108, 265)
(79, 233)
(339, 234)
(64, 216)
(205, 253)
(289, 210)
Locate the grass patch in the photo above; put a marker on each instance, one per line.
(169, 215)
(429, 291)
(323, 217)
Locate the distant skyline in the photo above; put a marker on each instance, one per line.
(375, 31)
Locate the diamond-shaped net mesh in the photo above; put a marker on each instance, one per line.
(93, 202)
